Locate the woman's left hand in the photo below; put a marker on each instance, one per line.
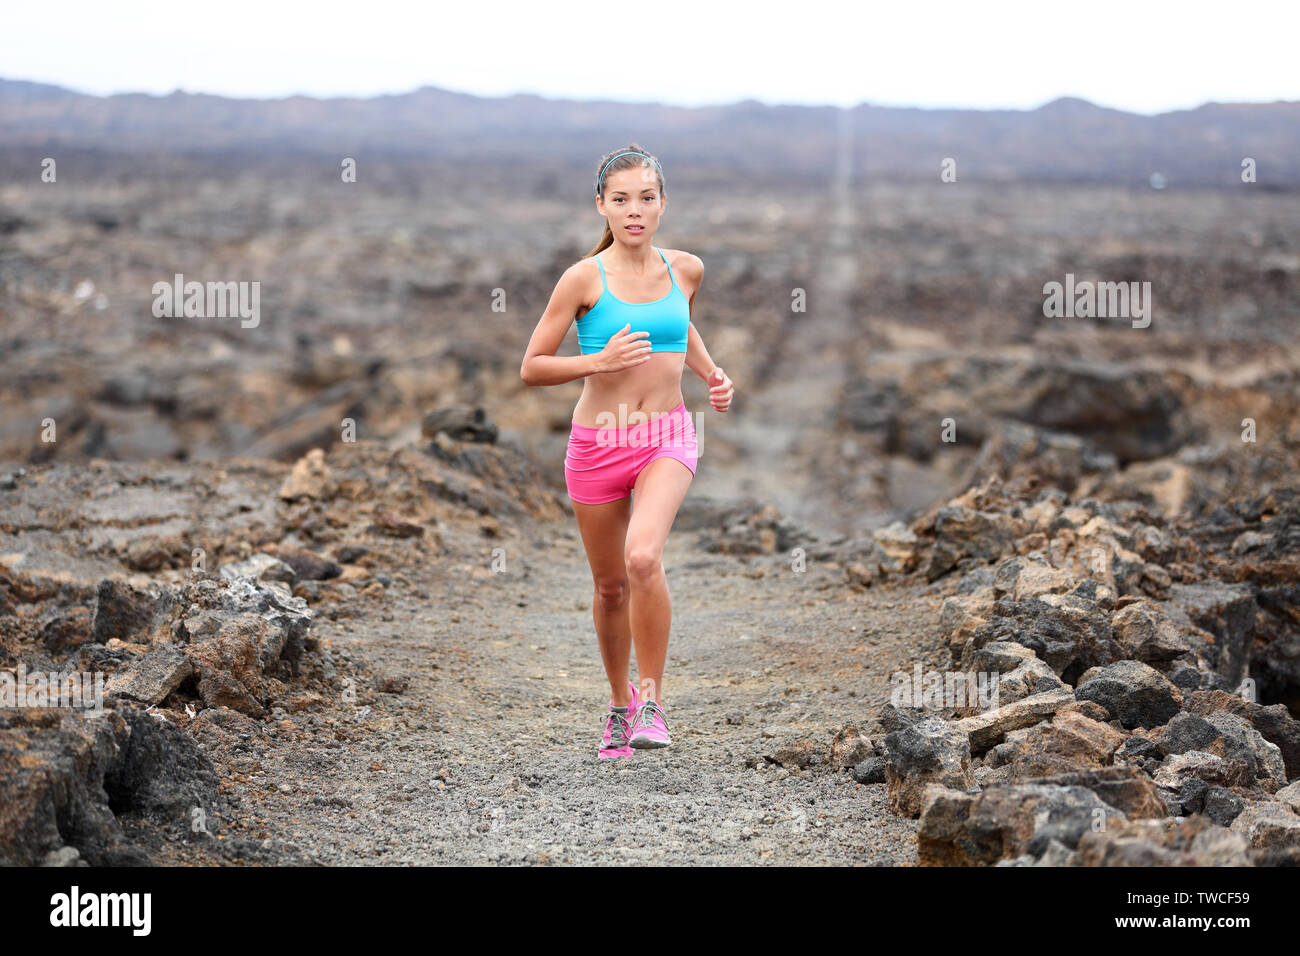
(720, 389)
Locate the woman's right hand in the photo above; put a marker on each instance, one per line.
(624, 350)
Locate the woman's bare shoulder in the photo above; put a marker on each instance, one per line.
(688, 265)
(582, 281)
(582, 272)
(585, 266)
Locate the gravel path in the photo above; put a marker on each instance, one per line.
(489, 753)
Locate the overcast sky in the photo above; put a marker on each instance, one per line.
(1146, 57)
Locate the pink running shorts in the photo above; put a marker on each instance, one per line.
(602, 464)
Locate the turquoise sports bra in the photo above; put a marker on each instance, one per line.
(668, 320)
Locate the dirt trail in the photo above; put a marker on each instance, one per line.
(489, 754)
(782, 419)
(479, 697)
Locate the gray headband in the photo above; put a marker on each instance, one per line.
(601, 178)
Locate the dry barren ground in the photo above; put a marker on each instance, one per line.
(489, 753)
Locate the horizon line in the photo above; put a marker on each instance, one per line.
(180, 91)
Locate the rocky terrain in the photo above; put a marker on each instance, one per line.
(388, 659)
(383, 655)
(328, 572)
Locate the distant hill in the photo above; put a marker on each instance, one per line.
(1066, 140)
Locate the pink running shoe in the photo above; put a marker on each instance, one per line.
(648, 727)
(617, 729)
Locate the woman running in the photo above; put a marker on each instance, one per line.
(631, 430)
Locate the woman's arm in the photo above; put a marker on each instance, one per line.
(697, 356)
(556, 369)
(541, 366)
(721, 388)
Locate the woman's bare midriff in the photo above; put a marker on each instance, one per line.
(649, 389)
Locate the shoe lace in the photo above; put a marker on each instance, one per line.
(620, 725)
(650, 710)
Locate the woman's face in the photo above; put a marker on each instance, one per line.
(632, 199)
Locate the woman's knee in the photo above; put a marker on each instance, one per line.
(611, 591)
(642, 562)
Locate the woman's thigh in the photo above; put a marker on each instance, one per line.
(661, 484)
(604, 528)
(659, 491)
